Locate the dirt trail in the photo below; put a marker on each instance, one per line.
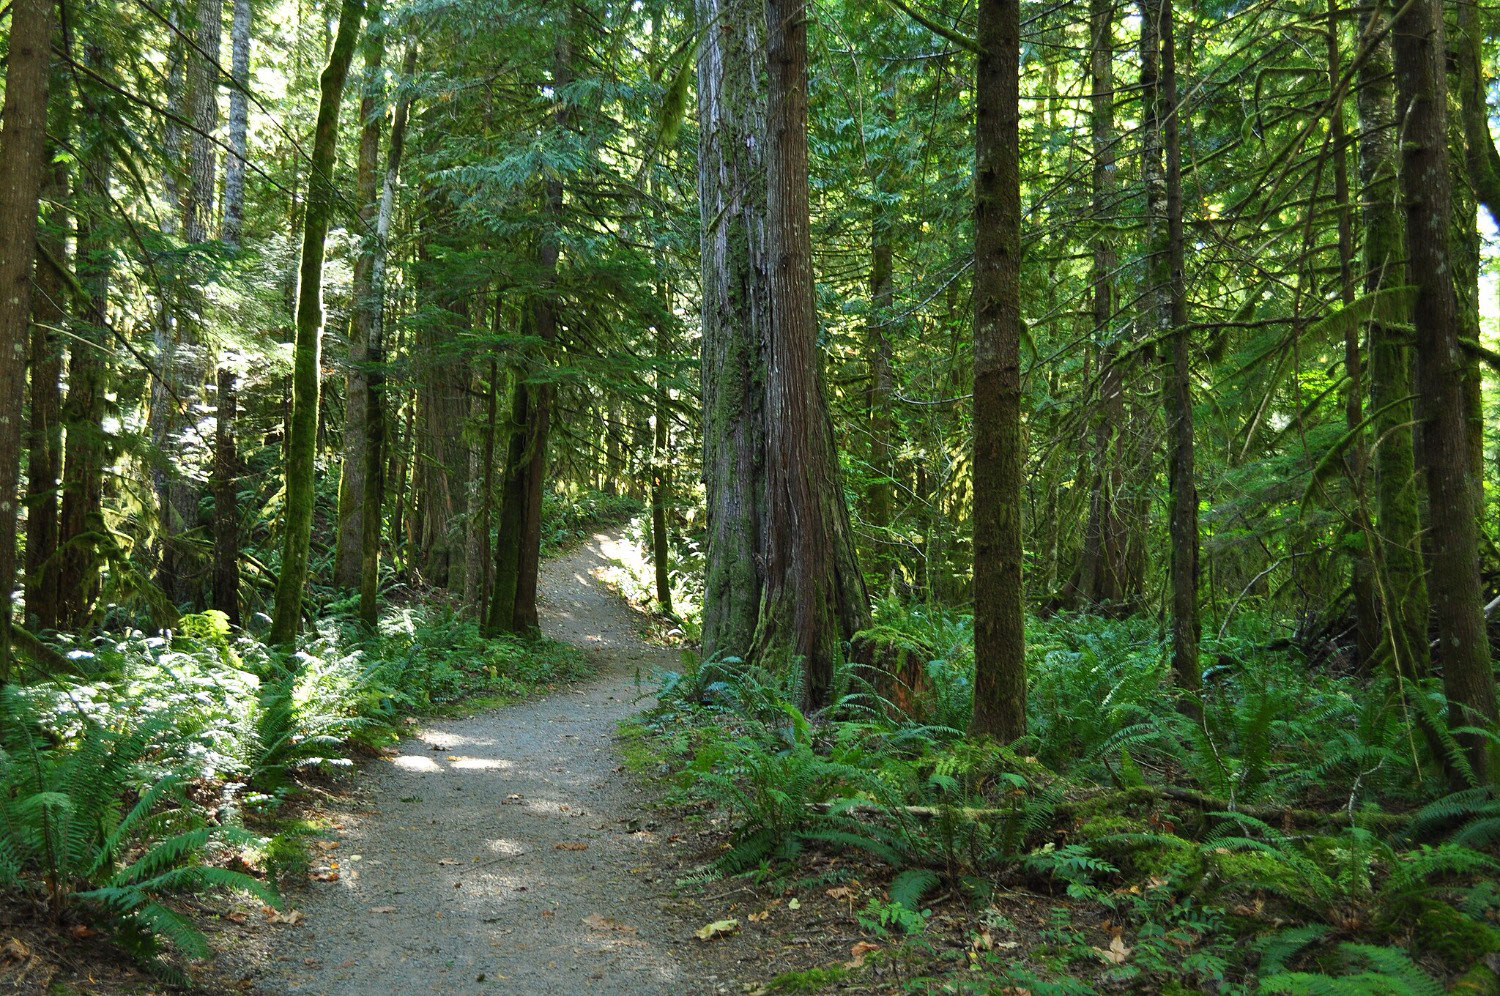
(506, 852)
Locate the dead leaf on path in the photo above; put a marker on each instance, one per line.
(839, 892)
(759, 917)
(794, 904)
(859, 951)
(719, 928)
(448, 861)
(570, 846)
(289, 917)
(596, 922)
(326, 845)
(382, 909)
(328, 876)
(1116, 953)
(83, 931)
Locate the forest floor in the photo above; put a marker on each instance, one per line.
(507, 851)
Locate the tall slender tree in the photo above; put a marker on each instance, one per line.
(302, 447)
(999, 619)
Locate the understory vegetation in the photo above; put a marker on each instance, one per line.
(158, 766)
(1297, 838)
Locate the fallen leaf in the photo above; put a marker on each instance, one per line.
(839, 892)
(448, 861)
(382, 909)
(570, 846)
(719, 928)
(859, 951)
(330, 876)
(1116, 953)
(83, 931)
(794, 904)
(289, 917)
(759, 917)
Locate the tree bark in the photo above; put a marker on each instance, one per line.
(1102, 571)
(1454, 585)
(661, 471)
(81, 525)
(814, 595)
(999, 448)
(735, 313)
(1357, 457)
(347, 563)
(375, 413)
(226, 469)
(1400, 571)
(1169, 318)
(303, 442)
(23, 140)
(44, 432)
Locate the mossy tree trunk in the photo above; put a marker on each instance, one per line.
(303, 442)
(999, 447)
(735, 313)
(1357, 457)
(353, 479)
(81, 525)
(1454, 584)
(1399, 569)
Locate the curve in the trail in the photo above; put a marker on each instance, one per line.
(505, 852)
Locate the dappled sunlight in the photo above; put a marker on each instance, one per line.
(498, 764)
(416, 762)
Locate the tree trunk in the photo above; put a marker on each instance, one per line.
(814, 593)
(44, 432)
(661, 471)
(347, 563)
(999, 449)
(23, 141)
(226, 469)
(1169, 320)
(1357, 457)
(1400, 571)
(735, 313)
(375, 414)
(881, 394)
(303, 441)
(1101, 569)
(82, 523)
(1454, 585)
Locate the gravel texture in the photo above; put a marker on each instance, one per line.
(507, 851)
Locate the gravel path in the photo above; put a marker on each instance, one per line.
(506, 852)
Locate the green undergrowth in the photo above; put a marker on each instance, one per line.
(164, 765)
(1296, 838)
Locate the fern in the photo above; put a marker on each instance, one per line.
(1374, 971)
(909, 886)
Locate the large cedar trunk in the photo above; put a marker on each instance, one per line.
(814, 592)
(1462, 645)
(999, 618)
(22, 168)
(735, 313)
